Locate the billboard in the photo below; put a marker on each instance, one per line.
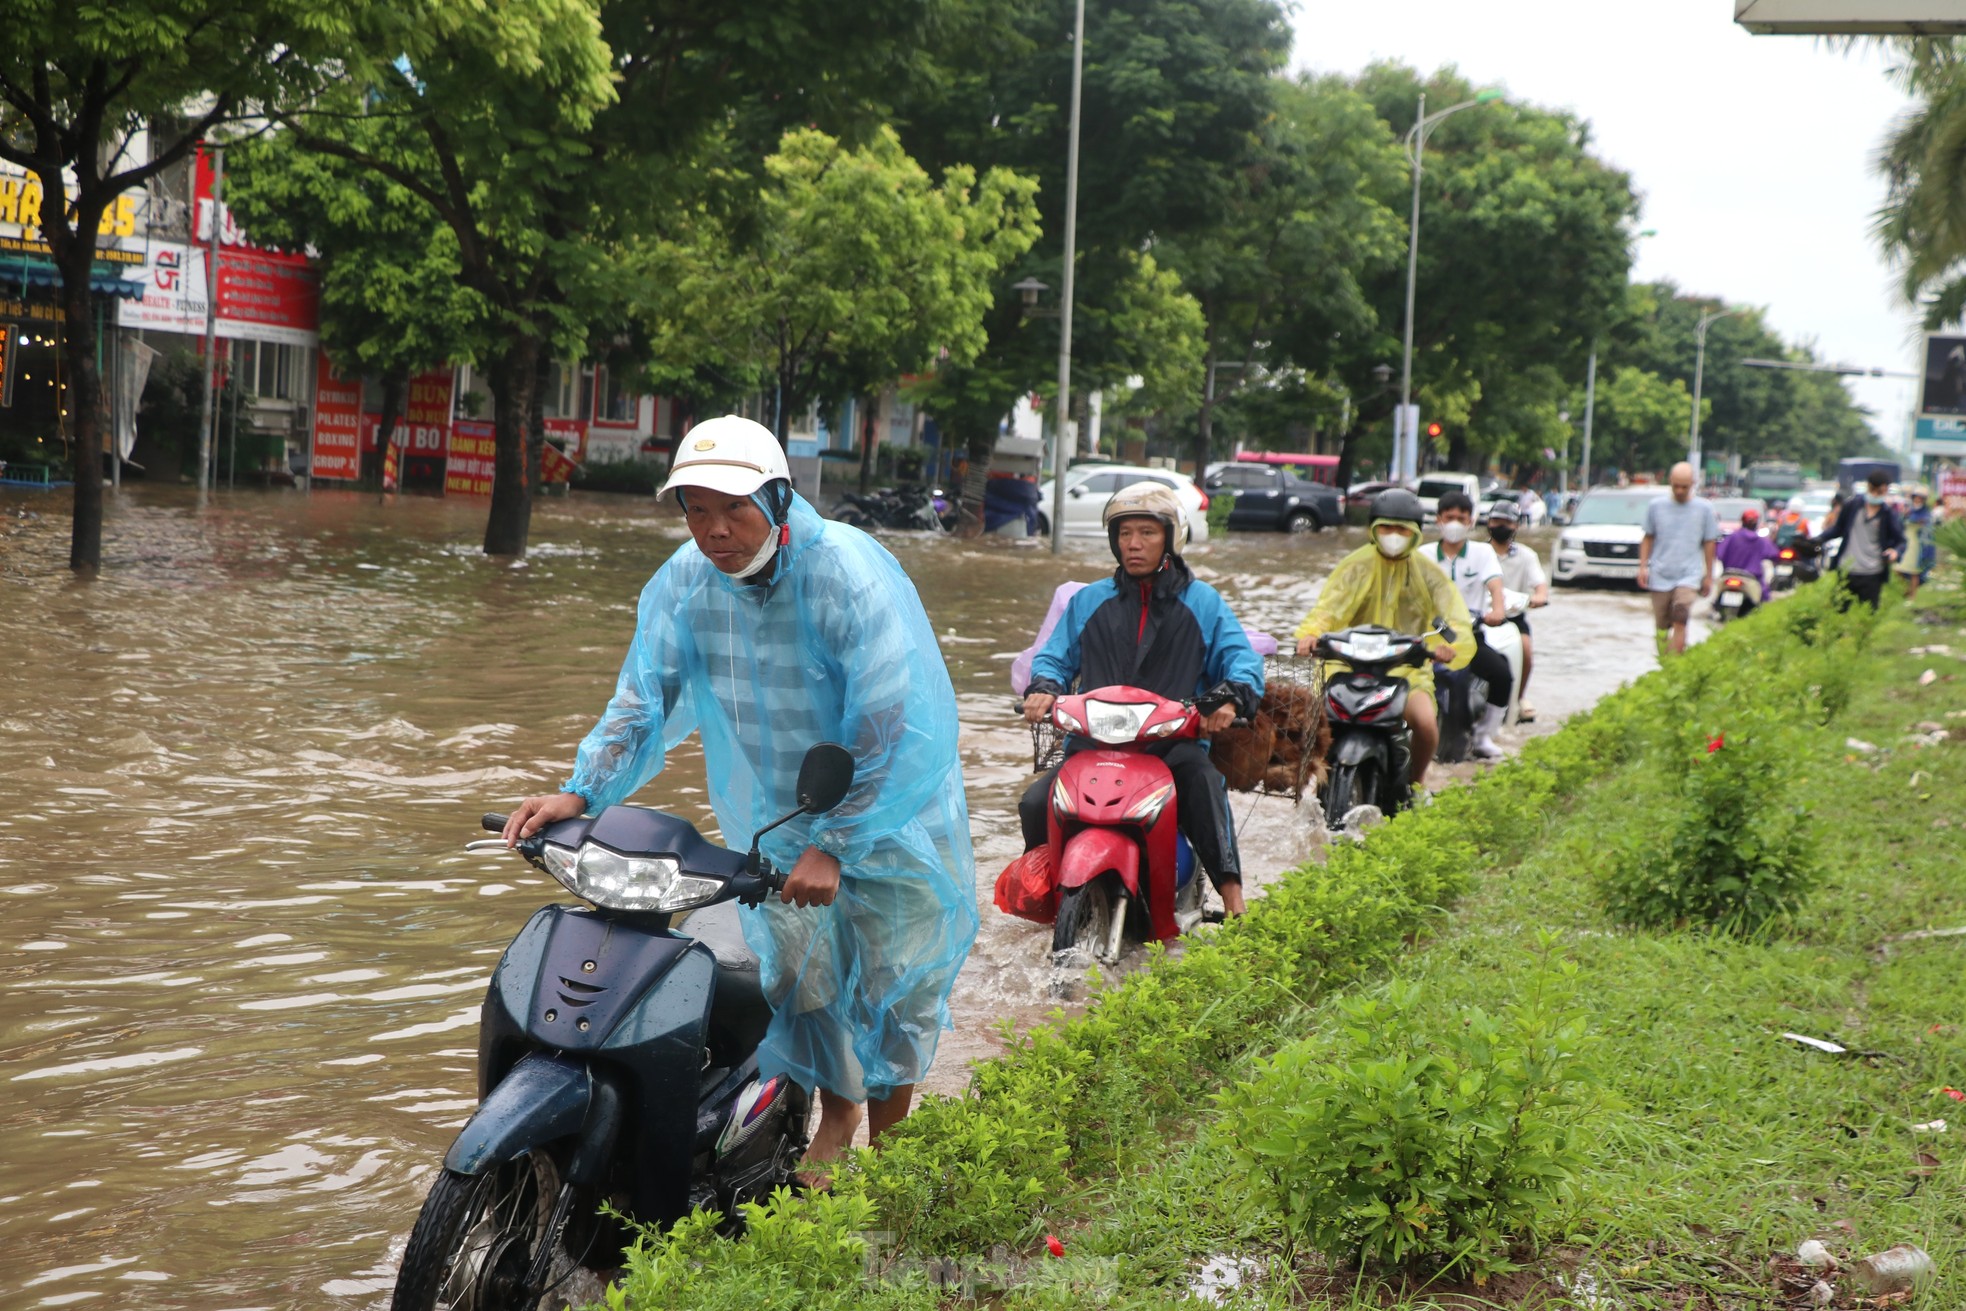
(337, 424)
(258, 300)
(471, 459)
(1942, 388)
(1851, 17)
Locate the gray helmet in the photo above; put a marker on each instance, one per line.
(1506, 509)
(1399, 505)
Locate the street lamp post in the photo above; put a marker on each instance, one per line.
(1065, 293)
(1406, 432)
(1699, 370)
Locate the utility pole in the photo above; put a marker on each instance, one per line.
(1590, 404)
(205, 409)
(1065, 307)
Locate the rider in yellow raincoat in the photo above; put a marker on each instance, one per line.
(1390, 584)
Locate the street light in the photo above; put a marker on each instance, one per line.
(1065, 296)
(1590, 396)
(1404, 429)
(1699, 368)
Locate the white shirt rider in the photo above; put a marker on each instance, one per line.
(1471, 568)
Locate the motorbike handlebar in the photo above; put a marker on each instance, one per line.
(491, 823)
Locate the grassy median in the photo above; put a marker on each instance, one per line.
(1692, 1141)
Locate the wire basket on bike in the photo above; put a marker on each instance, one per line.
(1047, 745)
(1283, 750)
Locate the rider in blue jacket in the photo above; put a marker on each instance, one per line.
(1153, 625)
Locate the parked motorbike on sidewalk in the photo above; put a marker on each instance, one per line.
(919, 509)
(1371, 748)
(1124, 872)
(617, 1061)
(1460, 695)
(1797, 563)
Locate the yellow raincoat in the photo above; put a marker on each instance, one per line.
(1405, 595)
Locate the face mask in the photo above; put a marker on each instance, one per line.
(1497, 533)
(1453, 533)
(1393, 545)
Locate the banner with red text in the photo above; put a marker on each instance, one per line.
(473, 458)
(337, 424)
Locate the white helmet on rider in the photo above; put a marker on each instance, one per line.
(738, 457)
(732, 455)
(1151, 500)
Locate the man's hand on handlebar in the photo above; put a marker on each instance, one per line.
(1304, 645)
(1495, 618)
(1443, 653)
(1037, 706)
(1219, 718)
(814, 880)
(535, 813)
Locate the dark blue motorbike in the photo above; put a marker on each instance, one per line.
(617, 1061)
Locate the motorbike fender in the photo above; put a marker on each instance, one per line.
(1354, 748)
(1090, 852)
(543, 1099)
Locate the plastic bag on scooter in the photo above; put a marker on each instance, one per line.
(1028, 887)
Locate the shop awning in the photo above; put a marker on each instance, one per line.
(104, 279)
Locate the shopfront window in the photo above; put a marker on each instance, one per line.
(617, 398)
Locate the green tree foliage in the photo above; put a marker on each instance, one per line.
(1280, 274)
(844, 270)
(1755, 413)
(1921, 224)
(547, 138)
(1175, 92)
(80, 84)
(392, 302)
(1524, 255)
(1641, 419)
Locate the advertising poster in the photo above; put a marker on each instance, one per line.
(554, 466)
(473, 454)
(1943, 391)
(337, 424)
(573, 434)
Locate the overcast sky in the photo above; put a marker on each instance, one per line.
(1751, 154)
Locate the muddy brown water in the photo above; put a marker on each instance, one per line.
(241, 949)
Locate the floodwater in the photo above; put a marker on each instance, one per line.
(241, 949)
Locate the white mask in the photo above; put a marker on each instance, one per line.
(1393, 545)
(1454, 533)
(763, 557)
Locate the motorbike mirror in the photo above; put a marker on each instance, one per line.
(824, 777)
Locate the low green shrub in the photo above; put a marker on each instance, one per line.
(638, 477)
(1952, 536)
(1428, 1142)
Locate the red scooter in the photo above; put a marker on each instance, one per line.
(1124, 870)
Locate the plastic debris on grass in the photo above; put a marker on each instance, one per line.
(1220, 1276)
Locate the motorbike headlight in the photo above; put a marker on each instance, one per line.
(1117, 722)
(1065, 720)
(618, 882)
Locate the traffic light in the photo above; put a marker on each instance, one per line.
(1433, 430)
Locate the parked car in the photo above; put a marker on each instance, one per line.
(1089, 486)
(1433, 486)
(1534, 513)
(1601, 540)
(1359, 495)
(1271, 496)
(1729, 509)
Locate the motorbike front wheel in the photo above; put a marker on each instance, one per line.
(1085, 920)
(1349, 786)
(476, 1238)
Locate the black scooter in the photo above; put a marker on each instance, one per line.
(1371, 748)
(617, 1061)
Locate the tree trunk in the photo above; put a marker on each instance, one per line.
(395, 384)
(512, 381)
(84, 400)
(867, 437)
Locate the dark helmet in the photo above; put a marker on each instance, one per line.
(1398, 504)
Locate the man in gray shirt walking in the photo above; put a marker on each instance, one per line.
(1873, 538)
(1675, 558)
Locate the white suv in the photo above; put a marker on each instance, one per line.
(1089, 486)
(1602, 537)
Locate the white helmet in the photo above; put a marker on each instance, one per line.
(1149, 500)
(732, 455)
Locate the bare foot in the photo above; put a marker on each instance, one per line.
(839, 1120)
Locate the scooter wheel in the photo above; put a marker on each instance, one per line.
(1349, 786)
(1085, 920)
(476, 1237)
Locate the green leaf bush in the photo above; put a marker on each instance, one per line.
(1430, 1143)
(1068, 1107)
(1952, 536)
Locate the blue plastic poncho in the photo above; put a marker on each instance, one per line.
(835, 648)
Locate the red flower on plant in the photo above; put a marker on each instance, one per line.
(1716, 742)
(1954, 1093)
(1053, 1245)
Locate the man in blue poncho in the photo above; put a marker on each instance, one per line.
(775, 629)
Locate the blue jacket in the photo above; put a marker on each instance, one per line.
(1173, 636)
